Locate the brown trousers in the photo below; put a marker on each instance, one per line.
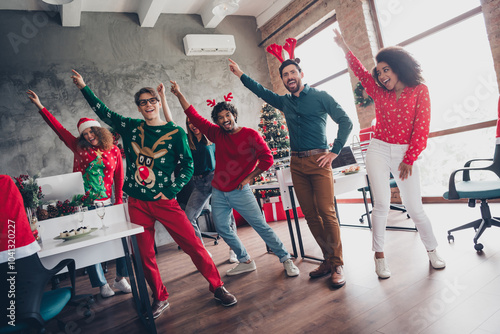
(314, 188)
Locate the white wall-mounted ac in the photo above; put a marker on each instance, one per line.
(198, 45)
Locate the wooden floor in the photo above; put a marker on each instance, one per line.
(462, 298)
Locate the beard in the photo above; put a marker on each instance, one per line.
(298, 85)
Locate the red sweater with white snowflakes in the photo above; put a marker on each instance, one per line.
(399, 121)
(84, 158)
(236, 155)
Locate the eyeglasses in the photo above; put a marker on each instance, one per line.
(152, 100)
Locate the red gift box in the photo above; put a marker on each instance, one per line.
(273, 210)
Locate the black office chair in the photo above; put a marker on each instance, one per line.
(477, 190)
(34, 307)
(207, 214)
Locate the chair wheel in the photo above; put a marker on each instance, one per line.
(408, 216)
(451, 238)
(216, 242)
(478, 247)
(361, 220)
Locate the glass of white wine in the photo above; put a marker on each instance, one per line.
(100, 210)
(79, 215)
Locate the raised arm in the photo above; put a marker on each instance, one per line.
(67, 138)
(340, 41)
(233, 67)
(164, 105)
(177, 92)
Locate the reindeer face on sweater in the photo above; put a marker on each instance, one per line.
(144, 174)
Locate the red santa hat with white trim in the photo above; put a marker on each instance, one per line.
(85, 123)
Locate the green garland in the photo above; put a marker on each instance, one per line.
(359, 96)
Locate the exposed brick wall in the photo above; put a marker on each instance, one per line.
(491, 12)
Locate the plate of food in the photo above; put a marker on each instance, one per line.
(351, 170)
(74, 234)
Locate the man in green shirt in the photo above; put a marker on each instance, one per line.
(153, 148)
(306, 110)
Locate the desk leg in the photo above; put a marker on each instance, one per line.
(297, 227)
(139, 291)
(292, 237)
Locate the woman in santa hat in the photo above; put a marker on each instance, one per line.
(100, 163)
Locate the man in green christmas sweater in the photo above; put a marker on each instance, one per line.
(153, 148)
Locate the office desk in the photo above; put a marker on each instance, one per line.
(342, 184)
(100, 246)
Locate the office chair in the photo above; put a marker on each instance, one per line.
(482, 190)
(207, 214)
(34, 307)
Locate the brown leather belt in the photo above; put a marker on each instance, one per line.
(304, 154)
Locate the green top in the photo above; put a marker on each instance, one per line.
(152, 153)
(306, 116)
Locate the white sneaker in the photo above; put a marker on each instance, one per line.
(232, 256)
(290, 268)
(436, 261)
(122, 285)
(241, 268)
(382, 268)
(106, 291)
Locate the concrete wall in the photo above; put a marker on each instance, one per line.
(116, 57)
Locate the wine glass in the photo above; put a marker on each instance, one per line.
(100, 210)
(79, 215)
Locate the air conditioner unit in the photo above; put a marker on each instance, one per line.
(198, 45)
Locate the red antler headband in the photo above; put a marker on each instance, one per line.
(277, 50)
(227, 98)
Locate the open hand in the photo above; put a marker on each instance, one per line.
(404, 170)
(34, 99)
(78, 80)
(326, 160)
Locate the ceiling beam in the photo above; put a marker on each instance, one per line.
(208, 18)
(71, 13)
(149, 11)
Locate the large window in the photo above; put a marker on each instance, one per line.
(448, 38)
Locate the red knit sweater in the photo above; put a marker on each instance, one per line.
(112, 159)
(236, 155)
(399, 121)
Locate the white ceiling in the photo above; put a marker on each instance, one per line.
(149, 10)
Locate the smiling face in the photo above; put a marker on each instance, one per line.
(292, 79)
(90, 136)
(149, 106)
(193, 128)
(226, 120)
(387, 77)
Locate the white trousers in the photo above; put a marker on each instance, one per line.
(381, 160)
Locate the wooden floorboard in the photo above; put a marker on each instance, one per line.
(462, 298)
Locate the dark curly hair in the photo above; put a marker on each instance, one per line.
(289, 62)
(224, 106)
(406, 67)
(103, 135)
(143, 90)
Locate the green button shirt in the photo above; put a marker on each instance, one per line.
(306, 116)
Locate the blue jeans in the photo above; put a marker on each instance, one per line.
(96, 274)
(199, 199)
(244, 202)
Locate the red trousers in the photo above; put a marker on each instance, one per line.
(170, 215)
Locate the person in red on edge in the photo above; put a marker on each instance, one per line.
(16, 239)
(240, 156)
(403, 113)
(101, 165)
(153, 148)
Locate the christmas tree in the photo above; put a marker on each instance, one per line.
(274, 131)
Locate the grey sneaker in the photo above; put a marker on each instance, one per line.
(290, 268)
(241, 268)
(158, 307)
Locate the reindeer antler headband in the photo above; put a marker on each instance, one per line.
(227, 98)
(277, 50)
